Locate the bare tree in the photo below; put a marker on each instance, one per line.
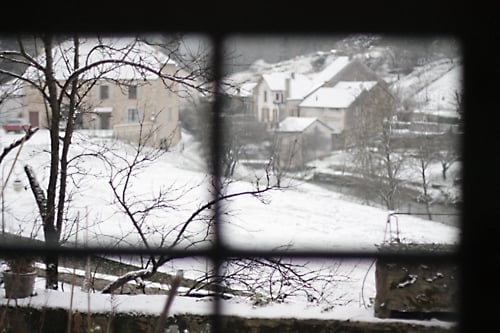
(68, 98)
(447, 151)
(141, 209)
(374, 147)
(276, 279)
(425, 155)
(83, 72)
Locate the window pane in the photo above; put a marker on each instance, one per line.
(104, 92)
(138, 171)
(132, 115)
(132, 92)
(122, 285)
(367, 126)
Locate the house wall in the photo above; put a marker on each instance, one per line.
(268, 110)
(11, 102)
(335, 118)
(292, 108)
(298, 148)
(317, 141)
(155, 103)
(365, 117)
(290, 149)
(11, 108)
(33, 102)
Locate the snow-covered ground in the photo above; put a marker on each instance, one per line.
(303, 216)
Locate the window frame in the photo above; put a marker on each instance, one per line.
(135, 91)
(104, 92)
(219, 251)
(132, 115)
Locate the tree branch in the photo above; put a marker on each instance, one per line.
(40, 198)
(28, 134)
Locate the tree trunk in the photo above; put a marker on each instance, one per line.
(444, 170)
(50, 234)
(51, 260)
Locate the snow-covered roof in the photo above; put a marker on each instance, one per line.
(92, 50)
(243, 90)
(299, 86)
(329, 72)
(295, 124)
(338, 97)
(276, 81)
(246, 89)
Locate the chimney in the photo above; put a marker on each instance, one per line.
(287, 88)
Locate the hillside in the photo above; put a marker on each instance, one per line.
(427, 88)
(427, 81)
(301, 216)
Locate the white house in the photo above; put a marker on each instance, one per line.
(330, 104)
(278, 95)
(125, 98)
(272, 93)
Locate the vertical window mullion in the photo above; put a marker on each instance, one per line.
(218, 252)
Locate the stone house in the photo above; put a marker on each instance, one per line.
(349, 108)
(338, 95)
(301, 139)
(279, 95)
(275, 93)
(121, 98)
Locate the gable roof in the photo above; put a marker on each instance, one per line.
(329, 72)
(244, 90)
(338, 97)
(95, 49)
(299, 86)
(297, 124)
(276, 81)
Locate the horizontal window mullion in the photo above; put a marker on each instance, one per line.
(229, 253)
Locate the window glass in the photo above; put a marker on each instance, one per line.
(360, 155)
(132, 115)
(104, 92)
(132, 92)
(369, 130)
(163, 187)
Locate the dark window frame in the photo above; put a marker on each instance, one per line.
(478, 244)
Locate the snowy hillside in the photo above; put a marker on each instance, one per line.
(431, 86)
(304, 64)
(327, 221)
(302, 216)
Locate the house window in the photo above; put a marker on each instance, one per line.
(278, 97)
(265, 96)
(132, 115)
(104, 92)
(132, 92)
(275, 115)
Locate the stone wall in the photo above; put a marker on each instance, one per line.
(30, 320)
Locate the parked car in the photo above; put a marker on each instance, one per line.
(16, 125)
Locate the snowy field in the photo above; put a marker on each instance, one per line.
(302, 216)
